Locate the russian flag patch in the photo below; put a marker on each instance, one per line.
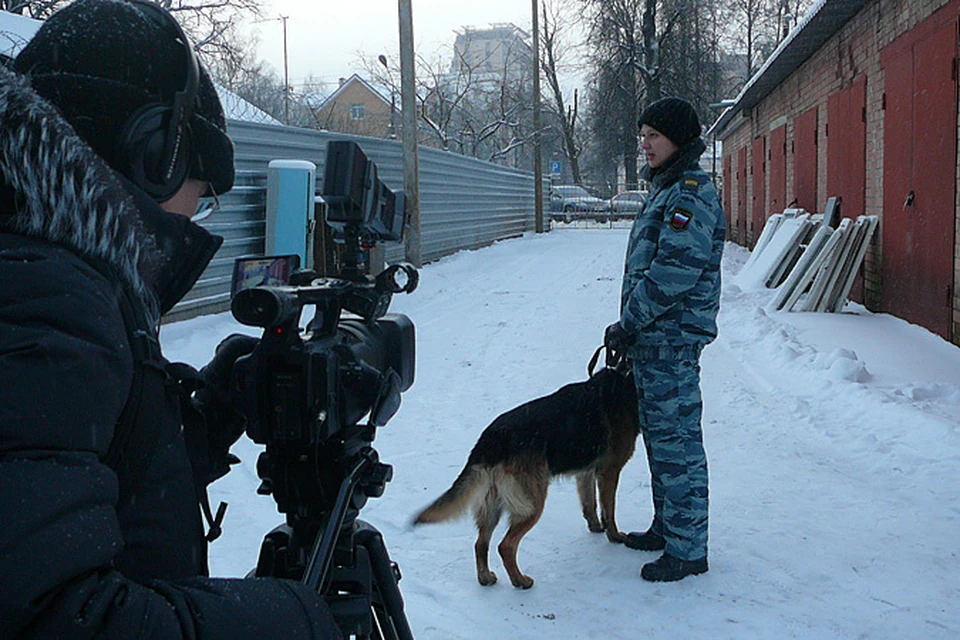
(680, 219)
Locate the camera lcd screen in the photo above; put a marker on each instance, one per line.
(349, 182)
(268, 271)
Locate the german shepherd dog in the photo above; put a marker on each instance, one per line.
(588, 429)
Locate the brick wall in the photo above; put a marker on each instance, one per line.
(851, 52)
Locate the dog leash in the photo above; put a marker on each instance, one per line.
(615, 360)
(593, 360)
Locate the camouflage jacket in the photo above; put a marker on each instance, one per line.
(671, 282)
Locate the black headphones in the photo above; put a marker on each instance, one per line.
(156, 145)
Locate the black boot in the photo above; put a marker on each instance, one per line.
(668, 568)
(649, 540)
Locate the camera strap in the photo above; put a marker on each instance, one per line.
(133, 440)
(196, 439)
(138, 432)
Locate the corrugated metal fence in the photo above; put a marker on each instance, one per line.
(464, 203)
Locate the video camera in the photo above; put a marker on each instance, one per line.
(306, 392)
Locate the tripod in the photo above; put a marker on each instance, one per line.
(348, 564)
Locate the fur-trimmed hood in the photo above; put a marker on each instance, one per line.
(57, 189)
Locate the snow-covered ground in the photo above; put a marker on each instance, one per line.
(833, 443)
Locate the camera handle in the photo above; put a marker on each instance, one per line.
(372, 565)
(316, 574)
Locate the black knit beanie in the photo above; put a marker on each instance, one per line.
(673, 117)
(99, 61)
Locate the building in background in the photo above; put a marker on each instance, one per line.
(482, 105)
(357, 107)
(502, 52)
(860, 102)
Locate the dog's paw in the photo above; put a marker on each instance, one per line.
(487, 578)
(595, 527)
(617, 537)
(522, 581)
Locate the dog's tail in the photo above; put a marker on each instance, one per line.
(458, 498)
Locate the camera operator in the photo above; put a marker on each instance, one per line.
(110, 132)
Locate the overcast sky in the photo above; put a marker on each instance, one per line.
(325, 38)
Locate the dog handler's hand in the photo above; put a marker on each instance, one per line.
(617, 340)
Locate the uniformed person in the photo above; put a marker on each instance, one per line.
(668, 310)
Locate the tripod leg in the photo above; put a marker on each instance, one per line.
(395, 625)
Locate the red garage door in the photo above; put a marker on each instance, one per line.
(759, 205)
(742, 196)
(727, 185)
(919, 173)
(778, 169)
(847, 147)
(805, 160)
(846, 134)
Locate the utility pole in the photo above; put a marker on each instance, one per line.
(411, 167)
(286, 75)
(286, 70)
(537, 154)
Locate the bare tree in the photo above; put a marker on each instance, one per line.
(758, 26)
(554, 23)
(756, 30)
(257, 83)
(212, 24)
(506, 119)
(788, 14)
(38, 9)
(440, 94)
(476, 106)
(746, 19)
(643, 50)
(617, 43)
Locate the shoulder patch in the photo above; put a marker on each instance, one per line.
(691, 184)
(680, 218)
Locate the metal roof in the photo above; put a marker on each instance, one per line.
(355, 78)
(819, 24)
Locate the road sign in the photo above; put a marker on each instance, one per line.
(555, 167)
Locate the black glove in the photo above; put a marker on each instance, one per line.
(220, 402)
(617, 340)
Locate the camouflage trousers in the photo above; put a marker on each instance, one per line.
(668, 391)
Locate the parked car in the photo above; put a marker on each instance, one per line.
(627, 204)
(569, 202)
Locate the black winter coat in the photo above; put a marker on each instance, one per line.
(74, 237)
